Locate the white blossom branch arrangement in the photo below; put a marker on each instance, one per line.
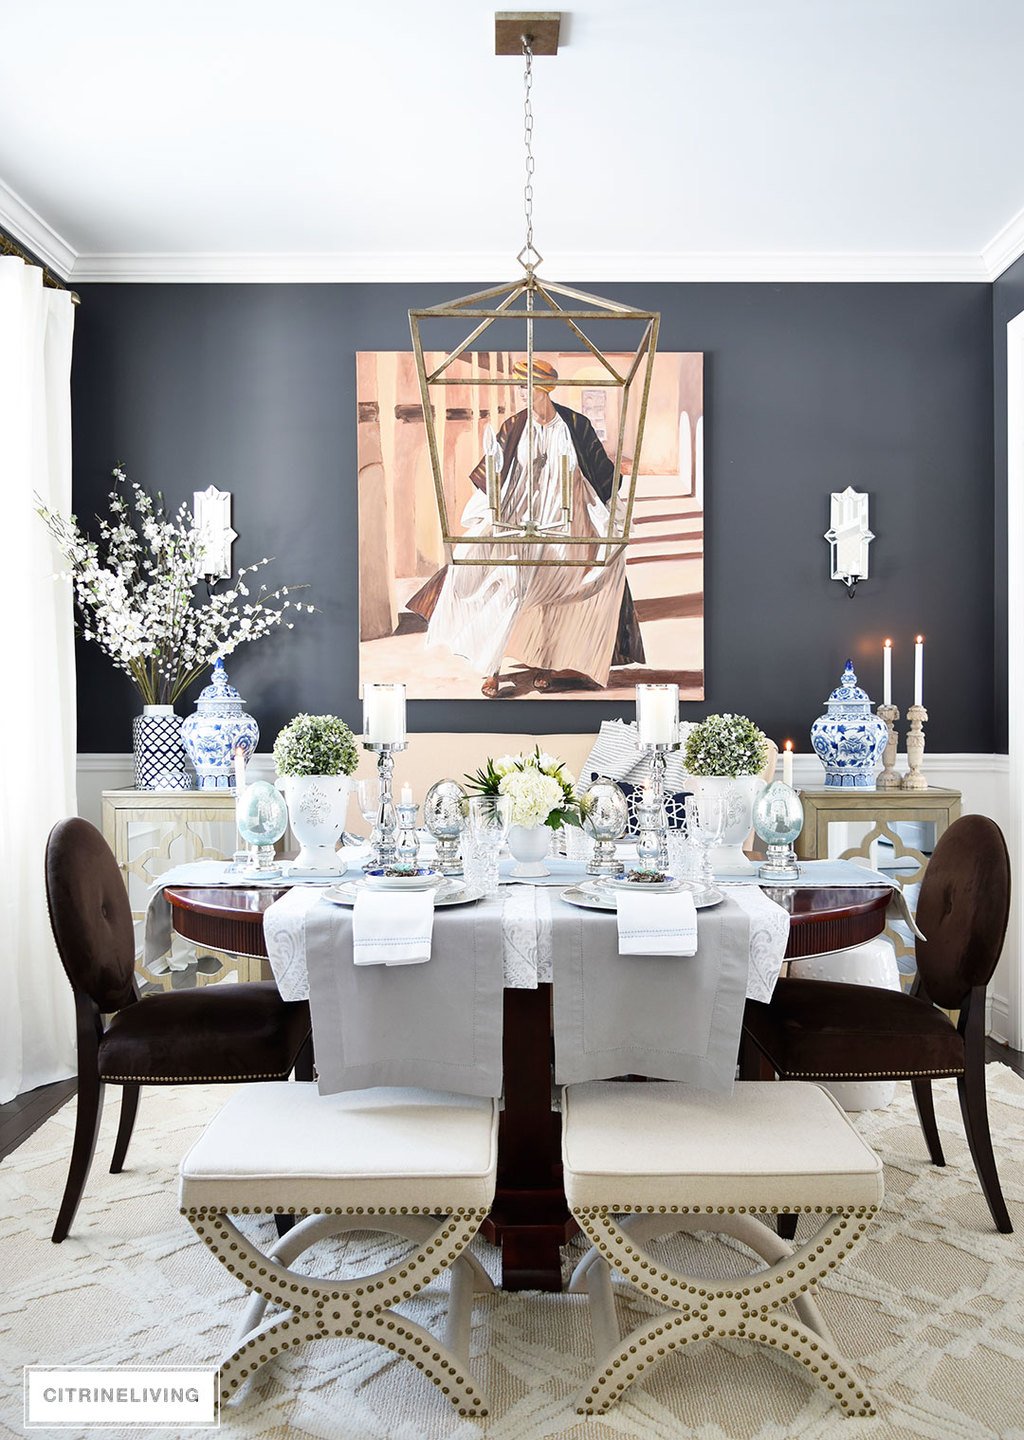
(135, 593)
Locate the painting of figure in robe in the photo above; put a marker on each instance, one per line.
(537, 630)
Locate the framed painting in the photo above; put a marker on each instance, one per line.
(528, 632)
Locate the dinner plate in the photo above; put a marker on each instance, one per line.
(704, 896)
(448, 893)
(422, 879)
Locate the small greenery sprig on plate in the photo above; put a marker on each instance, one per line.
(542, 791)
(315, 745)
(727, 744)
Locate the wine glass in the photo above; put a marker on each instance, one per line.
(707, 817)
(368, 798)
(490, 817)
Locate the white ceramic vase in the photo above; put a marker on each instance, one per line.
(739, 796)
(317, 808)
(529, 845)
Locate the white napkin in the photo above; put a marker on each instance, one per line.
(656, 924)
(392, 927)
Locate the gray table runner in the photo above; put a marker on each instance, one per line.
(437, 1025)
(669, 1017)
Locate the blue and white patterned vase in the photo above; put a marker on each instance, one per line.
(216, 729)
(849, 738)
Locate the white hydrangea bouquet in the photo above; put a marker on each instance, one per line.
(135, 596)
(542, 791)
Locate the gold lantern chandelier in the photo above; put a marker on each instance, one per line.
(542, 497)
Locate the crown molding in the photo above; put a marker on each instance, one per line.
(1006, 247)
(23, 224)
(468, 268)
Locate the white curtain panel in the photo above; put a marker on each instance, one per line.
(37, 710)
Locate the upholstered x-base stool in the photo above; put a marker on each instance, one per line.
(414, 1163)
(646, 1160)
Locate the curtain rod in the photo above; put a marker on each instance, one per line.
(8, 247)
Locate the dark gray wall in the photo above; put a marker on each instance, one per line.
(1007, 301)
(809, 388)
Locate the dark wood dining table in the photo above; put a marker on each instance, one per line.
(530, 1219)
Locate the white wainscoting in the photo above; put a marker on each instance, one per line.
(982, 779)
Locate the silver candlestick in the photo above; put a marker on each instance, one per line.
(407, 845)
(656, 755)
(889, 779)
(382, 836)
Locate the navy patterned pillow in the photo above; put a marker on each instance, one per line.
(675, 805)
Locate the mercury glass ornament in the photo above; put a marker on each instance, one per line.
(605, 817)
(262, 818)
(444, 816)
(778, 820)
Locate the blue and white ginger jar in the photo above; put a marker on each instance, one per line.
(849, 738)
(216, 729)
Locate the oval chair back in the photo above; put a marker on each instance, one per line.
(90, 915)
(963, 910)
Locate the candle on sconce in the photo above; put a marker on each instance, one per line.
(787, 764)
(239, 769)
(657, 714)
(887, 673)
(406, 795)
(384, 714)
(919, 670)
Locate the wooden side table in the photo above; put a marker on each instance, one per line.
(881, 811)
(150, 831)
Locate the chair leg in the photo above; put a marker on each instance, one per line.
(974, 1108)
(304, 1060)
(129, 1109)
(87, 1126)
(926, 1114)
(754, 1064)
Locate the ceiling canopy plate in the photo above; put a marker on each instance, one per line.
(542, 26)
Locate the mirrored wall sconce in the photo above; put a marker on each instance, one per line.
(212, 510)
(849, 537)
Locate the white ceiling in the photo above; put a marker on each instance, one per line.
(674, 139)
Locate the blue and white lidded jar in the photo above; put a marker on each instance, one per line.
(849, 738)
(217, 728)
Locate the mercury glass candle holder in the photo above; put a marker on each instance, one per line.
(444, 815)
(407, 844)
(605, 817)
(778, 820)
(262, 818)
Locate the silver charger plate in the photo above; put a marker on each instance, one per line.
(704, 896)
(443, 895)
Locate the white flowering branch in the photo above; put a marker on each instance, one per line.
(135, 593)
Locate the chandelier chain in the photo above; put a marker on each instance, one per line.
(528, 141)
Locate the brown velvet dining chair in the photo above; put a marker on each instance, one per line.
(822, 1030)
(215, 1034)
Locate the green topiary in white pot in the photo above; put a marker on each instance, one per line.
(723, 754)
(315, 755)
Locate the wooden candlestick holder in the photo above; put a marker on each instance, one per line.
(889, 778)
(915, 779)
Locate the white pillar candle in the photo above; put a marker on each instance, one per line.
(239, 769)
(919, 670)
(406, 795)
(887, 673)
(657, 714)
(384, 714)
(787, 764)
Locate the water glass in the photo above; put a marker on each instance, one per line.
(684, 859)
(707, 817)
(579, 846)
(479, 864)
(489, 819)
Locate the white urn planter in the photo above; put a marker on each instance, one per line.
(529, 846)
(317, 810)
(739, 796)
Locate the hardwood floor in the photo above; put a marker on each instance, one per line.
(23, 1115)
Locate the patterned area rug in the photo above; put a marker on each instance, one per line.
(931, 1308)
